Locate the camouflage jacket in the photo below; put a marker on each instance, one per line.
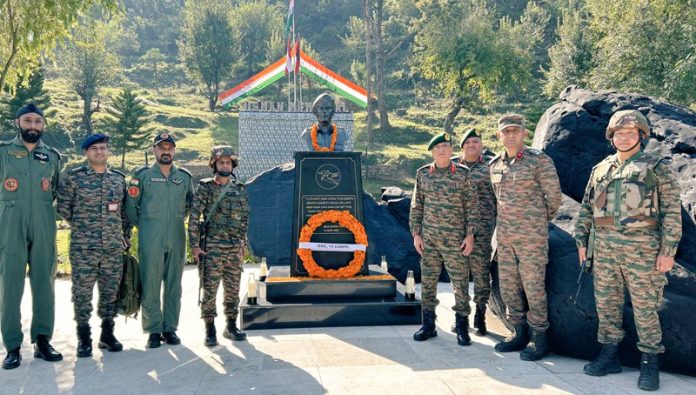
(641, 193)
(481, 176)
(444, 204)
(93, 204)
(528, 194)
(228, 224)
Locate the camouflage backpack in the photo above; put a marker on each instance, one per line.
(128, 302)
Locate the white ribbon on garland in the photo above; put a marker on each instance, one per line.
(335, 247)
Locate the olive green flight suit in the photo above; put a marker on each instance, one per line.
(29, 184)
(158, 205)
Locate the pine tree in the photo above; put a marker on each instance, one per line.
(27, 90)
(127, 124)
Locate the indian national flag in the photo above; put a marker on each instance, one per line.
(333, 81)
(254, 84)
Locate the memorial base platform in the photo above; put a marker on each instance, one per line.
(300, 302)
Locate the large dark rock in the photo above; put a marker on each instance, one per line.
(572, 133)
(270, 225)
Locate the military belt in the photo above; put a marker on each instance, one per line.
(610, 221)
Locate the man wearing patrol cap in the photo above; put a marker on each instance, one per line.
(443, 221)
(480, 258)
(632, 206)
(29, 171)
(158, 202)
(528, 195)
(91, 198)
(217, 234)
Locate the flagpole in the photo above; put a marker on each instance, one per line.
(294, 74)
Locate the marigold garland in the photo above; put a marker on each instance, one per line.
(315, 143)
(345, 219)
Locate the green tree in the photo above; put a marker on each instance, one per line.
(460, 47)
(28, 89)
(571, 56)
(645, 46)
(256, 21)
(89, 64)
(30, 28)
(208, 45)
(127, 124)
(155, 61)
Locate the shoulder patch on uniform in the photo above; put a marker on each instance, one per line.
(120, 173)
(534, 151)
(185, 171)
(140, 170)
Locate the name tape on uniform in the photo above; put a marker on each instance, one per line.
(337, 247)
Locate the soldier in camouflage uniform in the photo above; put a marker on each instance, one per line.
(443, 221)
(529, 195)
(480, 258)
(30, 173)
(158, 202)
(217, 240)
(632, 206)
(91, 199)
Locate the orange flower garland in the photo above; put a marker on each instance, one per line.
(345, 219)
(315, 144)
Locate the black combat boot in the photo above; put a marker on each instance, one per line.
(606, 363)
(428, 329)
(232, 332)
(210, 334)
(462, 323)
(480, 320)
(649, 379)
(12, 360)
(84, 341)
(517, 342)
(44, 350)
(171, 338)
(107, 340)
(154, 340)
(537, 349)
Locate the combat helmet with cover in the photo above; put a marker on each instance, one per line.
(222, 151)
(628, 119)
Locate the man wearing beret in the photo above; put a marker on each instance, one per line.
(30, 173)
(91, 199)
(158, 202)
(480, 258)
(529, 195)
(443, 221)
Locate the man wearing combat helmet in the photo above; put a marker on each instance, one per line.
(630, 220)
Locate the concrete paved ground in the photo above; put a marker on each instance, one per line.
(354, 360)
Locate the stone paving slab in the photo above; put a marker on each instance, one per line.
(349, 360)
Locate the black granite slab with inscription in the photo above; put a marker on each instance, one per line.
(326, 181)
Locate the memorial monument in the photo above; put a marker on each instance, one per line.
(329, 281)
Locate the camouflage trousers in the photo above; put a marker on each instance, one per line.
(445, 250)
(221, 263)
(479, 261)
(628, 260)
(522, 272)
(90, 267)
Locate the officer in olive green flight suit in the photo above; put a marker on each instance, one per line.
(29, 171)
(159, 199)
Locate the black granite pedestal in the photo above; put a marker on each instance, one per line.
(298, 302)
